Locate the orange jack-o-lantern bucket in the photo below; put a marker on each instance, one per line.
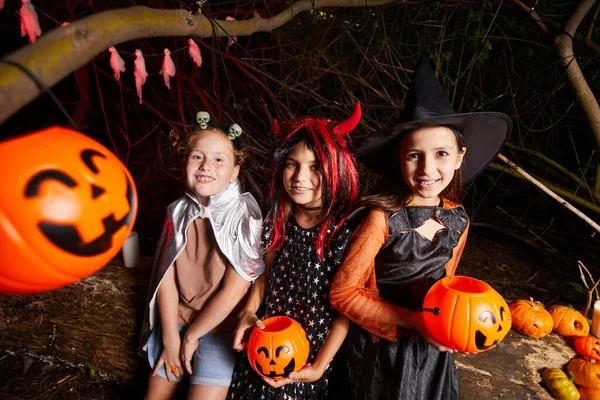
(278, 349)
(465, 314)
(66, 209)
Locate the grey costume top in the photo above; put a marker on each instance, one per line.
(236, 221)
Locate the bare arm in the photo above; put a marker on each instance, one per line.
(331, 345)
(256, 297)
(168, 302)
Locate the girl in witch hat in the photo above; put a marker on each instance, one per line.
(412, 234)
(314, 188)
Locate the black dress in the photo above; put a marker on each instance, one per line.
(298, 288)
(405, 268)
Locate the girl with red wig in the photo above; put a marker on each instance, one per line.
(314, 188)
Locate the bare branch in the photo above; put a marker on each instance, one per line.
(549, 192)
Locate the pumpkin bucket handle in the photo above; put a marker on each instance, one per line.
(434, 311)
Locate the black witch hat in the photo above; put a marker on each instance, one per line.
(427, 105)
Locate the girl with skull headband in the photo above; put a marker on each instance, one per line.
(315, 187)
(412, 234)
(207, 257)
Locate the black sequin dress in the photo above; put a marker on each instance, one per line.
(298, 288)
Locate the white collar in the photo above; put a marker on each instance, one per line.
(231, 192)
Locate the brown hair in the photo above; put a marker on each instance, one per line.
(392, 193)
(183, 143)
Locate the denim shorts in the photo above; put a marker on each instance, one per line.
(213, 360)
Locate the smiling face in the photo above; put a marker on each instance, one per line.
(210, 165)
(302, 176)
(429, 158)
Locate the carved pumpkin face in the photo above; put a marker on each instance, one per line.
(466, 314)
(278, 349)
(68, 207)
(568, 322)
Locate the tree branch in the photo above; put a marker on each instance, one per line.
(545, 189)
(564, 45)
(64, 49)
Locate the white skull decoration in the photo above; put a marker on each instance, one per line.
(202, 117)
(234, 131)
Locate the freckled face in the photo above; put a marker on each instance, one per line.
(429, 157)
(210, 165)
(302, 176)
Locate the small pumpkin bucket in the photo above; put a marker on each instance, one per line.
(278, 349)
(465, 314)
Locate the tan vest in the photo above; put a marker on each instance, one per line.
(199, 272)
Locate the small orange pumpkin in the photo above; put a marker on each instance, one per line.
(531, 318)
(569, 322)
(589, 393)
(465, 314)
(278, 349)
(585, 373)
(67, 206)
(588, 346)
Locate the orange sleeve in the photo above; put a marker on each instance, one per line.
(457, 253)
(354, 291)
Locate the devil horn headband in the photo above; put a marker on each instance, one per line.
(348, 125)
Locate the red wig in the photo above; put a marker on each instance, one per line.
(330, 143)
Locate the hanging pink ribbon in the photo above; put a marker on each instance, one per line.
(116, 62)
(139, 72)
(194, 51)
(168, 68)
(29, 22)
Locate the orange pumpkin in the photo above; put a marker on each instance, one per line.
(588, 346)
(568, 322)
(465, 314)
(278, 349)
(67, 207)
(531, 318)
(589, 393)
(585, 373)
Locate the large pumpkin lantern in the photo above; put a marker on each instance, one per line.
(66, 209)
(278, 349)
(465, 314)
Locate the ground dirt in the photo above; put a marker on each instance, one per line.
(44, 362)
